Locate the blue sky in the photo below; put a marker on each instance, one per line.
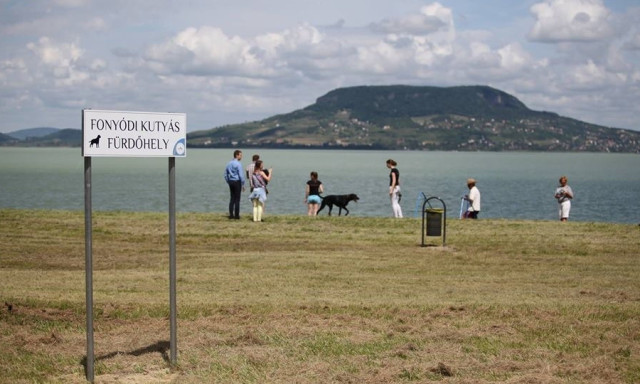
(229, 61)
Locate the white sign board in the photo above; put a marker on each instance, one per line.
(133, 134)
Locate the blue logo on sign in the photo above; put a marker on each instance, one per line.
(180, 148)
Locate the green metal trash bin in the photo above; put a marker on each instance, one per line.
(434, 221)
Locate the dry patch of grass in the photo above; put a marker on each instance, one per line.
(330, 300)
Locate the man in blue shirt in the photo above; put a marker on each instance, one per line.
(233, 175)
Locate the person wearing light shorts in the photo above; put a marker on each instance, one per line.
(312, 193)
(564, 194)
(394, 188)
(259, 195)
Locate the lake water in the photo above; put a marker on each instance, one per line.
(513, 185)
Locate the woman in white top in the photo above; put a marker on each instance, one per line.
(394, 188)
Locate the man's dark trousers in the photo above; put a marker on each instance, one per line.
(235, 189)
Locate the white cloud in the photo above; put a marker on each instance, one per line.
(218, 71)
(96, 24)
(481, 56)
(12, 73)
(62, 55)
(209, 51)
(633, 43)
(201, 51)
(12, 65)
(71, 3)
(412, 24)
(591, 76)
(514, 59)
(571, 20)
(431, 19)
(98, 65)
(380, 58)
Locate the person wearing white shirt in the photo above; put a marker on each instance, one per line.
(564, 194)
(474, 200)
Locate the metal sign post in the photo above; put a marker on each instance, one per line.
(88, 235)
(131, 134)
(172, 262)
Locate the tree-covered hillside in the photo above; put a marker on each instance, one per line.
(410, 117)
(465, 118)
(44, 137)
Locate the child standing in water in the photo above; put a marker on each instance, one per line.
(564, 194)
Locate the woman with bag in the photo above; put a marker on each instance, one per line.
(259, 179)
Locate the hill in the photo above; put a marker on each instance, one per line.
(32, 133)
(4, 139)
(44, 137)
(397, 117)
(420, 118)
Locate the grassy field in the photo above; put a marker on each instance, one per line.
(325, 300)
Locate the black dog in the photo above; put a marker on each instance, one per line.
(340, 201)
(95, 141)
